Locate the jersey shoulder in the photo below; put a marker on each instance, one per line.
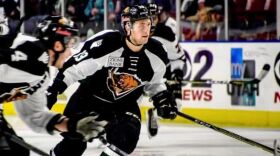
(156, 47)
(103, 43)
(164, 32)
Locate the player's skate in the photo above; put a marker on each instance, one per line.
(276, 147)
(152, 123)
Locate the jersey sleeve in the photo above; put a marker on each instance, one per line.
(157, 84)
(25, 57)
(91, 58)
(33, 111)
(158, 60)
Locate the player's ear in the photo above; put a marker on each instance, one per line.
(127, 27)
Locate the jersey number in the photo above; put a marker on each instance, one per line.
(80, 56)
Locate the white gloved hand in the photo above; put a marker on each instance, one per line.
(89, 127)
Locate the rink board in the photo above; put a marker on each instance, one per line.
(222, 117)
(216, 103)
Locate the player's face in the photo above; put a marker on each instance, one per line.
(140, 31)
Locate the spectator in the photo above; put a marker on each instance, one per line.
(95, 12)
(11, 11)
(217, 18)
(255, 5)
(164, 16)
(188, 8)
(204, 26)
(75, 9)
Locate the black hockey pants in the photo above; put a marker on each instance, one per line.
(122, 131)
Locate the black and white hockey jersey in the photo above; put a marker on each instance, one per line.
(108, 70)
(24, 66)
(166, 34)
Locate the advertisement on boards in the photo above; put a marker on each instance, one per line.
(227, 62)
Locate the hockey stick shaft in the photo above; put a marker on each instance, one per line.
(226, 132)
(261, 75)
(112, 147)
(212, 82)
(24, 144)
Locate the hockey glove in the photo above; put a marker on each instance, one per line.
(56, 88)
(177, 75)
(89, 127)
(176, 88)
(165, 105)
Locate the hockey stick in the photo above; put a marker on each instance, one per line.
(228, 133)
(24, 144)
(262, 74)
(276, 147)
(112, 147)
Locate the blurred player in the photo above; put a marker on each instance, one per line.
(163, 30)
(24, 78)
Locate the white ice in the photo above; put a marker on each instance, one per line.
(172, 140)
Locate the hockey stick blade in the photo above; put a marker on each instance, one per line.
(264, 72)
(226, 132)
(112, 147)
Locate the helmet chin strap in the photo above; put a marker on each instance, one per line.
(129, 40)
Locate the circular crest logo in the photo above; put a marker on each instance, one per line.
(277, 69)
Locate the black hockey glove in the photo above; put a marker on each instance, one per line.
(56, 88)
(177, 75)
(165, 105)
(176, 88)
(91, 126)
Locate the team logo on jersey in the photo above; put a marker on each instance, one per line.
(115, 61)
(121, 84)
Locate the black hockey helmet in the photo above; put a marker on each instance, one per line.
(153, 9)
(163, 5)
(136, 12)
(56, 28)
(154, 13)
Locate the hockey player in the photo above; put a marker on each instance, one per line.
(114, 71)
(163, 30)
(24, 80)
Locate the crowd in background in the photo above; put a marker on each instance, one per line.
(200, 19)
(248, 19)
